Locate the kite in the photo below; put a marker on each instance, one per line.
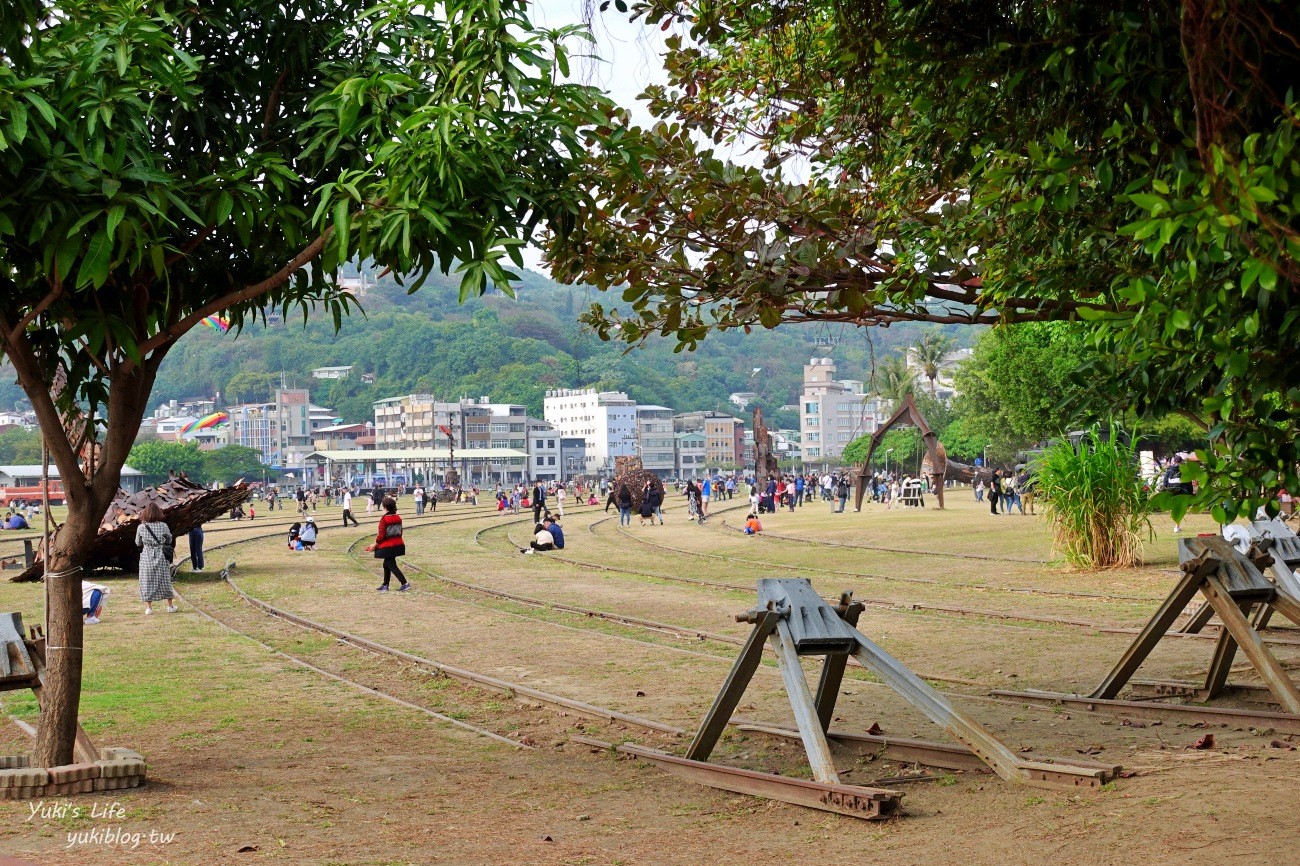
(217, 323)
(207, 422)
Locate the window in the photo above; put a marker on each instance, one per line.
(814, 437)
(550, 461)
(500, 427)
(812, 408)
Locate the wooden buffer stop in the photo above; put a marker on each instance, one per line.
(1235, 590)
(796, 622)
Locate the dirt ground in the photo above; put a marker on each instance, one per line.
(255, 758)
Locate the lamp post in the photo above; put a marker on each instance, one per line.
(887, 451)
(986, 457)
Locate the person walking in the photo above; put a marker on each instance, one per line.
(979, 489)
(389, 545)
(418, 493)
(647, 508)
(154, 539)
(624, 505)
(347, 509)
(196, 548)
(706, 493)
(995, 491)
(376, 499)
(560, 495)
(656, 497)
(693, 501)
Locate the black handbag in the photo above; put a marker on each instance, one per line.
(168, 550)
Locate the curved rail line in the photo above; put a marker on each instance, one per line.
(1025, 590)
(946, 613)
(910, 551)
(1238, 718)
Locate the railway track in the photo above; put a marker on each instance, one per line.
(760, 784)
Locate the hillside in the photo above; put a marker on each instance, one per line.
(512, 350)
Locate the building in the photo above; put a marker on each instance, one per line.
(418, 421)
(573, 456)
(690, 455)
(719, 431)
(545, 462)
(655, 442)
(343, 437)
(606, 420)
(832, 413)
(742, 399)
(332, 372)
(282, 430)
(22, 483)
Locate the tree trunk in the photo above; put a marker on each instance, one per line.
(61, 694)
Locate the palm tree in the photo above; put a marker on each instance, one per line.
(892, 379)
(932, 347)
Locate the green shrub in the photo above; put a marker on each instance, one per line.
(1095, 501)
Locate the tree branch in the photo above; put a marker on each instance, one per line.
(247, 293)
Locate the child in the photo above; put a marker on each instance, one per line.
(294, 532)
(752, 526)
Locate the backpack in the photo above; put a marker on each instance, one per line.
(393, 530)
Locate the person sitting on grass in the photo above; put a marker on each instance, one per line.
(752, 526)
(295, 532)
(552, 525)
(16, 521)
(542, 540)
(93, 596)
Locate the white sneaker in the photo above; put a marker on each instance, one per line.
(148, 611)
(92, 620)
(171, 608)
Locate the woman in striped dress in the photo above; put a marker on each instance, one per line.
(153, 537)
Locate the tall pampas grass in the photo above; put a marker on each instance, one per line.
(1095, 501)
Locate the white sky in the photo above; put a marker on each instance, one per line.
(626, 57)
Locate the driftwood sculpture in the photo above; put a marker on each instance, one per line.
(936, 466)
(765, 465)
(629, 471)
(184, 503)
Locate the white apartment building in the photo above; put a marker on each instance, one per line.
(655, 440)
(832, 413)
(606, 420)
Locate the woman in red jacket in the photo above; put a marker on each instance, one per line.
(389, 545)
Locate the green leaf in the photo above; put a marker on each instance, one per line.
(1180, 320)
(94, 264)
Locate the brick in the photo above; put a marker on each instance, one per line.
(29, 792)
(118, 769)
(117, 753)
(14, 762)
(74, 773)
(23, 777)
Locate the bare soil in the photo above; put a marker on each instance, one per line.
(254, 758)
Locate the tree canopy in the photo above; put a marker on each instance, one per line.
(162, 162)
(1132, 165)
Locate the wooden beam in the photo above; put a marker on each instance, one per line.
(1266, 664)
(733, 688)
(1153, 631)
(801, 700)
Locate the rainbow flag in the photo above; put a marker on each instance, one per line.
(207, 422)
(217, 323)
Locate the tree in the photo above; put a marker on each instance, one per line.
(1130, 164)
(892, 379)
(232, 463)
(19, 446)
(1020, 386)
(931, 349)
(157, 459)
(163, 162)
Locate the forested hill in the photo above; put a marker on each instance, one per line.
(512, 350)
